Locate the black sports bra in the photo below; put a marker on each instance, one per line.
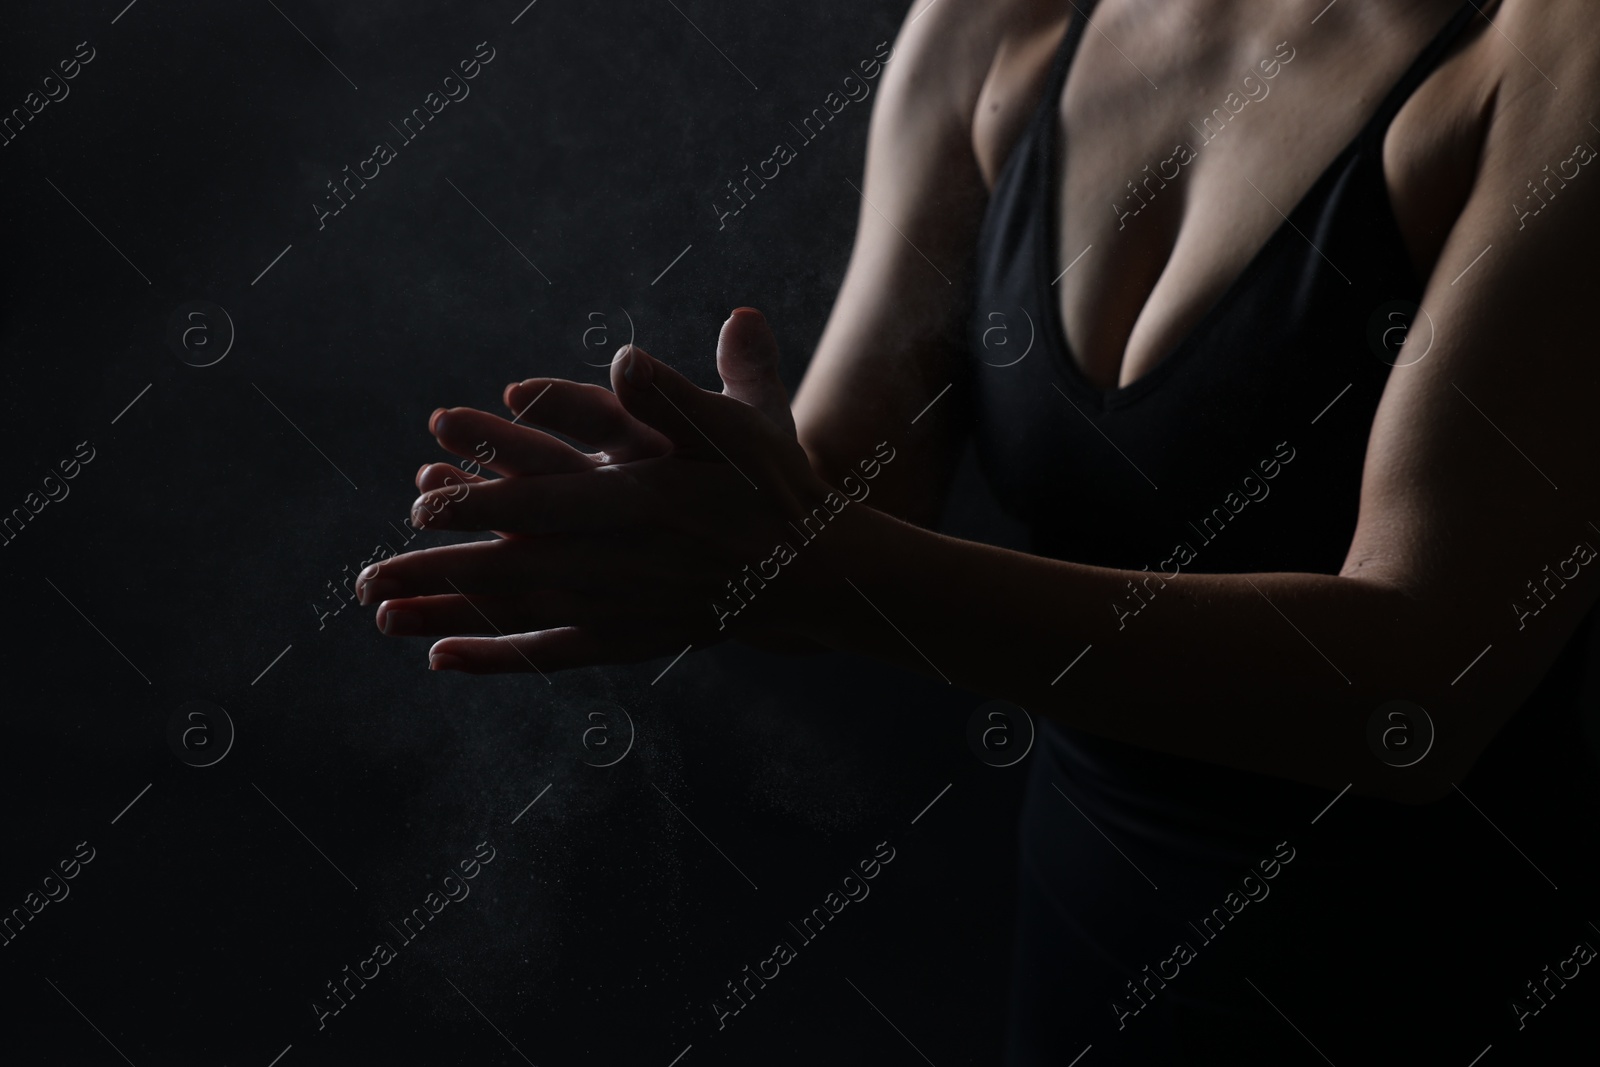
(1241, 452)
(1227, 453)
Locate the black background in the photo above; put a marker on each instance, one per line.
(193, 547)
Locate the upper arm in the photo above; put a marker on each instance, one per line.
(1481, 492)
(896, 333)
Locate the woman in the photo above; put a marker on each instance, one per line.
(1299, 429)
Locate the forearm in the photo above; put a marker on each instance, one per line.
(874, 372)
(1275, 673)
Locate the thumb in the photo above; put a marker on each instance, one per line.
(687, 415)
(747, 360)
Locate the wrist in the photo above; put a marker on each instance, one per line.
(832, 538)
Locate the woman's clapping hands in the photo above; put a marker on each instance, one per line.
(616, 554)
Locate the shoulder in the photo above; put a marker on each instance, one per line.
(1566, 25)
(1546, 57)
(1543, 67)
(965, 74)
(945, 49)
(1500, 117)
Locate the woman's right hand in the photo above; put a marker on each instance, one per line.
(747, 361)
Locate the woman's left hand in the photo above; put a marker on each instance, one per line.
(620, 561)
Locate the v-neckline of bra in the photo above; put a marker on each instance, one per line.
(1045, 276)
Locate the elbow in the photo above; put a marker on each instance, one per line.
(1424, 733)
(1420, 757)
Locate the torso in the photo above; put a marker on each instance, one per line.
(1177, 472)
(1148, 278)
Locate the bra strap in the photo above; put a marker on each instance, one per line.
(1082, 12)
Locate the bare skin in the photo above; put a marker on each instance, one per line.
(617, 553)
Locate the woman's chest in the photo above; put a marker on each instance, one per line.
(1186, 134)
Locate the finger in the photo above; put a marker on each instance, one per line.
(442, 616)
(603, 498)
(591, 414)
(691, 417)
(747, 360)
(502, 447)
(545, 652)
(488, 568)
(444, 476)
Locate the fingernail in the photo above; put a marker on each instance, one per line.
(636, 370)
(376, 591)
(418, 475)
(436, 423)
(430, 509)
(401, 623)
(443, 661)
